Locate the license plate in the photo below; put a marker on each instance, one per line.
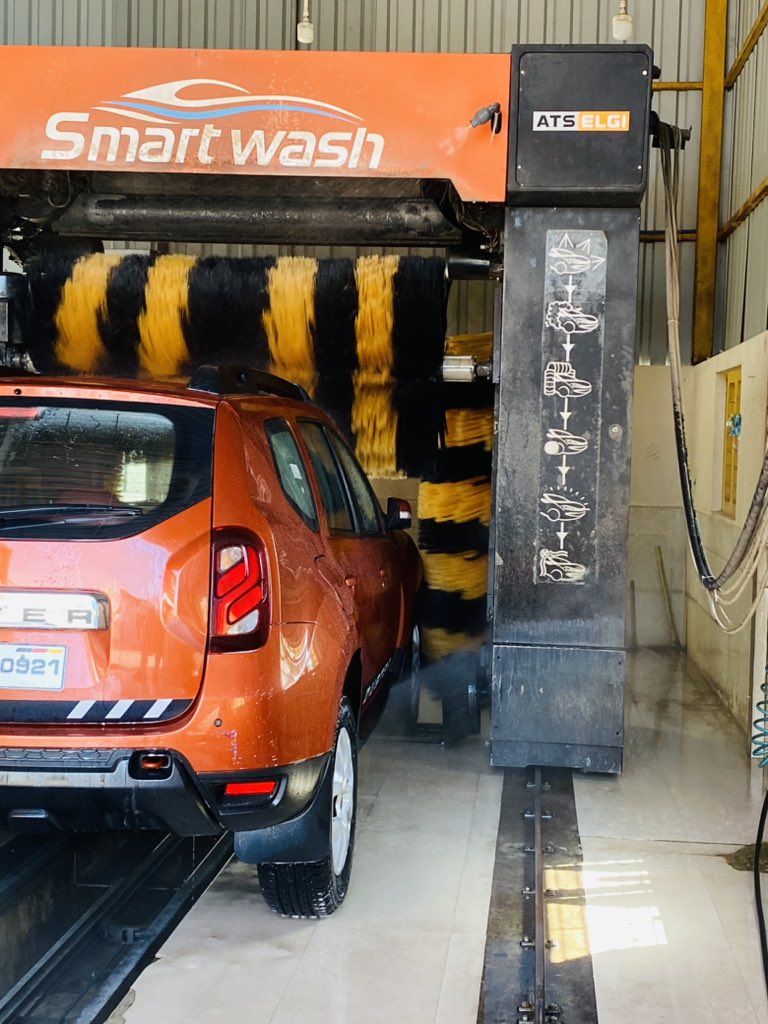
(32, 667)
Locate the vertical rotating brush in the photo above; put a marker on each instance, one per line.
(454, 520)
(455, 511)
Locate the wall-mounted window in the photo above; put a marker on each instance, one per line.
(731, 437)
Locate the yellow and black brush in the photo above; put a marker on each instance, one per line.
(374, 416)
(454, 515)
(227, 301)
(420, 323)
(365, 339)
(125, 302)
(289, 320)
(336, 308)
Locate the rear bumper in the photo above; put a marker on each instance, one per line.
(88, 790)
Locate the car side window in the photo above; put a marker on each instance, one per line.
(367, 503)
(332, 486)
(291, 470)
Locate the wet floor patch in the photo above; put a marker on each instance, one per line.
(744, 858)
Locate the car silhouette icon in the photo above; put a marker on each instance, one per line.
(556, 566)
(560, 379)
(570, 319)
(569, 261)
(562, 507)
(563, 442)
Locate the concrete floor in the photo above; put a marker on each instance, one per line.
(672, 927)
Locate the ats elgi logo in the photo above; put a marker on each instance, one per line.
(581, 120)
(175, 127)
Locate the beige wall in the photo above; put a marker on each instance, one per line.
(730, 662)
(734, 664)
(655, 515)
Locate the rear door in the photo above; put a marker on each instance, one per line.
(104, 558)
(360, 547)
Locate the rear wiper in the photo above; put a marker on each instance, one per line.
(40, 515)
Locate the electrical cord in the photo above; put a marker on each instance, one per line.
(746, 562)
(759, 890)
(760, 750)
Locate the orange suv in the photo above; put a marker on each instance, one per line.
(201, 609)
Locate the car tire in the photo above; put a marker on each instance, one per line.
(461, 708)
(401, 715)
(318, 888)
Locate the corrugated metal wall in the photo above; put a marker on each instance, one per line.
(675, 29)
(744, 260)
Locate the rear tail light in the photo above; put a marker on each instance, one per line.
(263, 787)
(240, 592)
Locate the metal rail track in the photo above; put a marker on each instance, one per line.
(80, 916)
(537, 964)
(535, 1006)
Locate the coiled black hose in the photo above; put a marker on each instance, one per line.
(670, 141)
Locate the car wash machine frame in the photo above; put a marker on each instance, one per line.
(527, 168)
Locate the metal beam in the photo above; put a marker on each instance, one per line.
(651, 236)
(749, 44)
(678, 86)
(713, 96)
(746, 208)
(266, 220)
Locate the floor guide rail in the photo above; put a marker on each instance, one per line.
(80, 916)
(538, 969)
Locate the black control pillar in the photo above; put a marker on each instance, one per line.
(564, 364)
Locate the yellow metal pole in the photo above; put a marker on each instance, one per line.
(710, 156)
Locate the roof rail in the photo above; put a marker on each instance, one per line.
(243, 380)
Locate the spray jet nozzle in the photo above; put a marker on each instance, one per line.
(491, 113)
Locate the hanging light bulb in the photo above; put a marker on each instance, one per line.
(305, 30)
(622, 24)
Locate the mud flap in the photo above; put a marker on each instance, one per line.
(301, 840)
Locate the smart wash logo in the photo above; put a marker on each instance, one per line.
(179, 123)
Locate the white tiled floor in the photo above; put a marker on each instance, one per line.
(672, 928)
(672, 925)
(408, 943)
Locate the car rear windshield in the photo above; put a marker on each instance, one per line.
(96, 470)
